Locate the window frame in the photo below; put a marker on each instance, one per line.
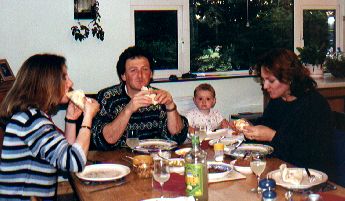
(300, 5)
(182, 8)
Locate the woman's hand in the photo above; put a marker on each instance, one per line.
(91, 107)
(259, 133)
(73, 111)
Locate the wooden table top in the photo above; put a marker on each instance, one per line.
(136, 188)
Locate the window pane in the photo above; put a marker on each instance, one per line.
(319, 28)
(224, 36)
(156, 31)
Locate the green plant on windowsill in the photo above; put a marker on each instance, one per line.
(335, 63)
(81, 32)
(312, 55)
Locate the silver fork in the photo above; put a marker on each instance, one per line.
(311, 177)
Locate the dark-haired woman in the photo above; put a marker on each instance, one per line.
(33, 148)
(297, 121)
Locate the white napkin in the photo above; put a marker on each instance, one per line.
(292, 176)
(182, 198)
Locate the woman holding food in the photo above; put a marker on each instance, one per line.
(297, 121)
(33, 147)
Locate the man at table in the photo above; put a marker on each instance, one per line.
(125, 107)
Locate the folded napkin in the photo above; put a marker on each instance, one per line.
(183, 198)
(292, 176)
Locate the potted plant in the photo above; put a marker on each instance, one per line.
(335, 63)
(313, 58)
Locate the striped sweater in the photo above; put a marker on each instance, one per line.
(32, 152)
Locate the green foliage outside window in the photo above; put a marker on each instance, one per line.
(220, 27)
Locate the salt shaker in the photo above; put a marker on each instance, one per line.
(269, 195)
(218, 152)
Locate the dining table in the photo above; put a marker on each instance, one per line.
(133, 188)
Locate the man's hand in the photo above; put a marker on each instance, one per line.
(139, 100)
(163, 97)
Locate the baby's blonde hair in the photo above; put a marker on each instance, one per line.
(205, 87)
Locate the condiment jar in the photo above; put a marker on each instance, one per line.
(218, 152)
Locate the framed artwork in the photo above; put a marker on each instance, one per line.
(84, 9)
(5, 71)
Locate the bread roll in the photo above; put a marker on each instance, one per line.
(152, 96)
(240, 124)
(77, 97)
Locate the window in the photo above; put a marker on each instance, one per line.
(319, 23)
(230, 35)
(163, 28)
(226, 35)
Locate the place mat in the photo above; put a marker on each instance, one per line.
(233, 175)
(175, 184)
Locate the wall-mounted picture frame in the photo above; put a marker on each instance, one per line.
(84, 9)
(5, 71)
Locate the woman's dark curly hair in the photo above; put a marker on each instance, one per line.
(285, 65)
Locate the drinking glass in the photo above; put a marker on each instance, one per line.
(161, 172)
(257, 164)
(132, 140)
(201, 131)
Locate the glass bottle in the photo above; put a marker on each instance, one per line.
(196, 173)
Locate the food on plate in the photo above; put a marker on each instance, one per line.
(102, 174)
(183, 152)
(176, 163)
(215, 170)
(242, 162)
(77, 97)
(293, 176)
(152, 96)
(240, 124)
(154, 146)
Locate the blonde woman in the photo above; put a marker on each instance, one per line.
(33, 148)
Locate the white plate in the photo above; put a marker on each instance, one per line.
(218, 133)
(249, 148)
(218, 165)
(215, 134)
(177, 169)
(241, 169)
(103, 172)
(227, 140)
(154, 145)
(183, 151)
(320, 178)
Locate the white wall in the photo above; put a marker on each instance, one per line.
(28, 27)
